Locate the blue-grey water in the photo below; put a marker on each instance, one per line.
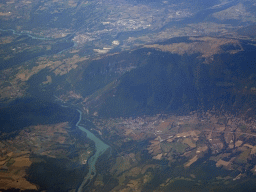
(100, 148)
(25, 33)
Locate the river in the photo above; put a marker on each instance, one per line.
(100, 148)
(25, 33)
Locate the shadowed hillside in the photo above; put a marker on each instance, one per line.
(179, 75)
(170, 82)
(26, 112)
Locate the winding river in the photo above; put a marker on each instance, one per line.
(100, 148)
(25, 33)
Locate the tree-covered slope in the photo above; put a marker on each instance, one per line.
(175, 83)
